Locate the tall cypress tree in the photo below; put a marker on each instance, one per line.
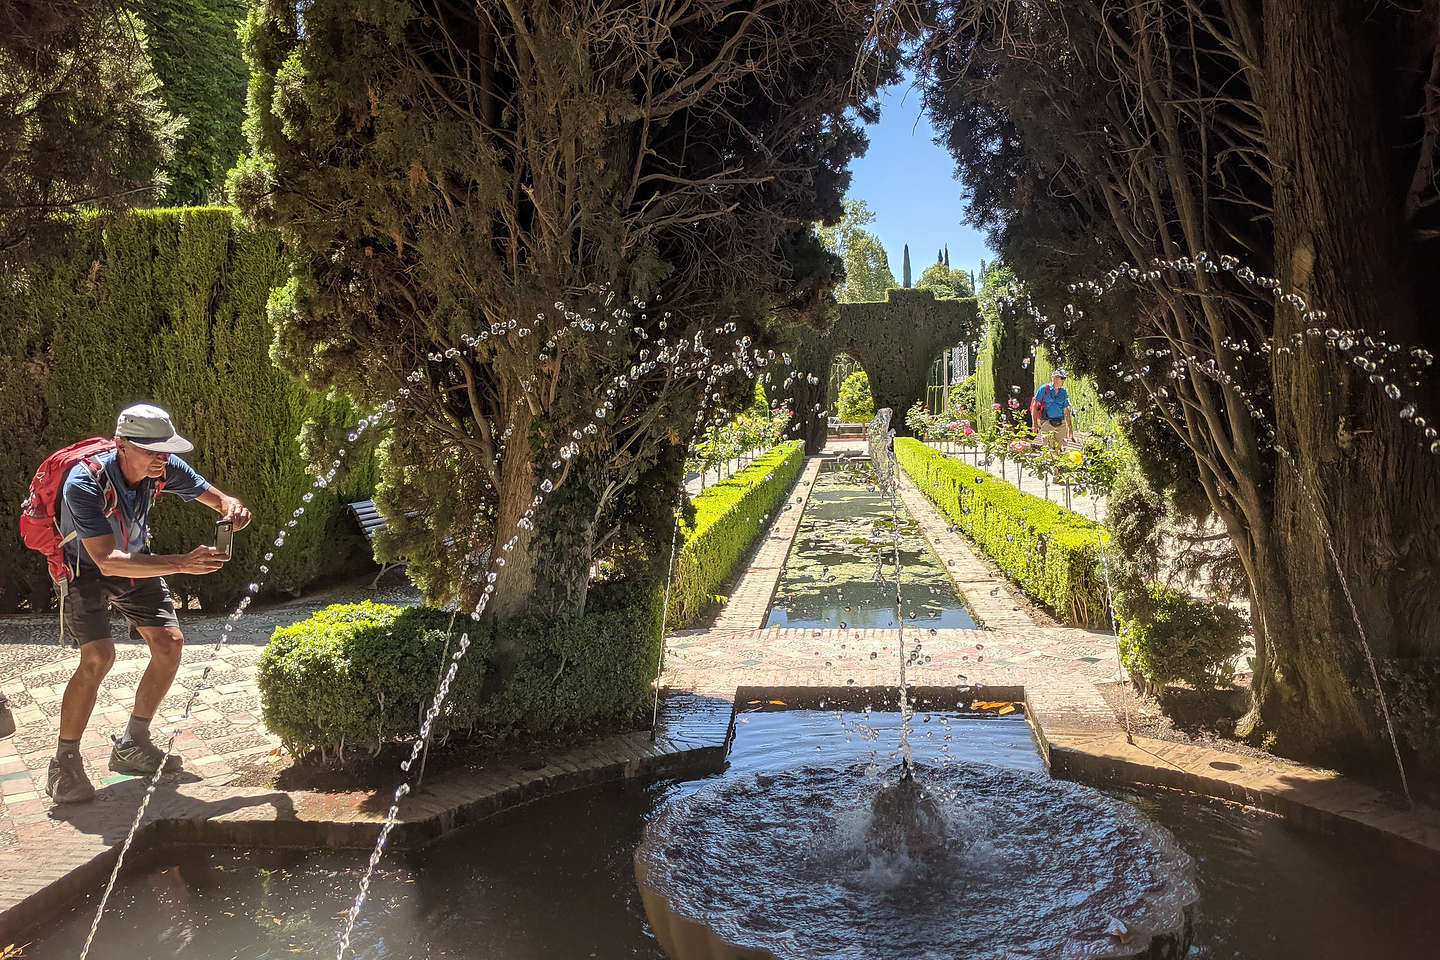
(196, 53)
(905, 267)
(947, 256)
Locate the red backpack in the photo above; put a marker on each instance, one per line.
(40, 511)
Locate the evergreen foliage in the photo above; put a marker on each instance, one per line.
(729, 515)
(1167, 635)
(554, 182)
(945, 283)
(362, 675)
(196, 55)
(855, 404)
(169, 306)
(1000, 366)
(82, 123)
(906, 268)
(1052, 553)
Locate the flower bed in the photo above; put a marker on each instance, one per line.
(1051, 552)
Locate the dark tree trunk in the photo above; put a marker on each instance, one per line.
(1360, 473)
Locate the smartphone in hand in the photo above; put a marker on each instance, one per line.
(224, 536)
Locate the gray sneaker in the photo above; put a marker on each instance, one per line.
(67, 782)
(139, 757)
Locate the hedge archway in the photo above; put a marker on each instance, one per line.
(894, 340)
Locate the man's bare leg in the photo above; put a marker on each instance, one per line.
(96, 659)
(166, 644)
(136, 752)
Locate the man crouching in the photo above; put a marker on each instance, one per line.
(104, 520)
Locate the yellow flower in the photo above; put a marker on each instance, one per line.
(1075, 457)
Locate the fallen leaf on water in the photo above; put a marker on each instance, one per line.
(1008, 708)
(778, 703)
(988, 704)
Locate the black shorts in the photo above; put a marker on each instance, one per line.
(143, 601)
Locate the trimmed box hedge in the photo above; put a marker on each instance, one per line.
(363, 674)
(729, 515)
(1051, 552)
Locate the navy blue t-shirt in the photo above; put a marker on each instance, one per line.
(83, 506)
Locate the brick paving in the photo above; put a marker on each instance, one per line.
(50, 856)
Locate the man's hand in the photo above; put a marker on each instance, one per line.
(236, 512)
(203, 559)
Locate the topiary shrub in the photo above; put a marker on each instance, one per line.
(1167, 635)
(855, 405)
(578, 671)
(1052, 553)
(362, 674)
(728, 517)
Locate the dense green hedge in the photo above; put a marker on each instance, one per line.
(322, 681)
(728, 517)
(1051, 552)
(1168, 635)
(360, 675)
(168, 306)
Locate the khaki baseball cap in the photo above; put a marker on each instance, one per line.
(149, 428)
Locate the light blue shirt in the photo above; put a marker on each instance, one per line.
(1052, 402)
(82, 509)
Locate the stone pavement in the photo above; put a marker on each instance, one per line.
(50, 856)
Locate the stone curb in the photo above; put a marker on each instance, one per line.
(429, 813)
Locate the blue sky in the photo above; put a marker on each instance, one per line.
(908, 181)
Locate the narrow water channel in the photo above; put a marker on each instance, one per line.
(841, 568)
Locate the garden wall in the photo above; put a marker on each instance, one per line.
(169, 306)
(1051, 552)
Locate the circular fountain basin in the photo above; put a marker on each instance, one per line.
(784, 866)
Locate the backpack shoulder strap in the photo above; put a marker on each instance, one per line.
(102, 477)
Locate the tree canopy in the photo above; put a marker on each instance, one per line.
(576, 226)
(82, 123)
(1154, 173)
(867, 268)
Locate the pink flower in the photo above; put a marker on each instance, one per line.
(995, 405)
(1014, 404)
(1019, 446)
(967, 429)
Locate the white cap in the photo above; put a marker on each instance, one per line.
(149, 428)
(1059, 372)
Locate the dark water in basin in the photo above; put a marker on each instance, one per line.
(554, 879)
(840, 570)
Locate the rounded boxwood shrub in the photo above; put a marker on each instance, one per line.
(1166, 635)
(362, 674)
